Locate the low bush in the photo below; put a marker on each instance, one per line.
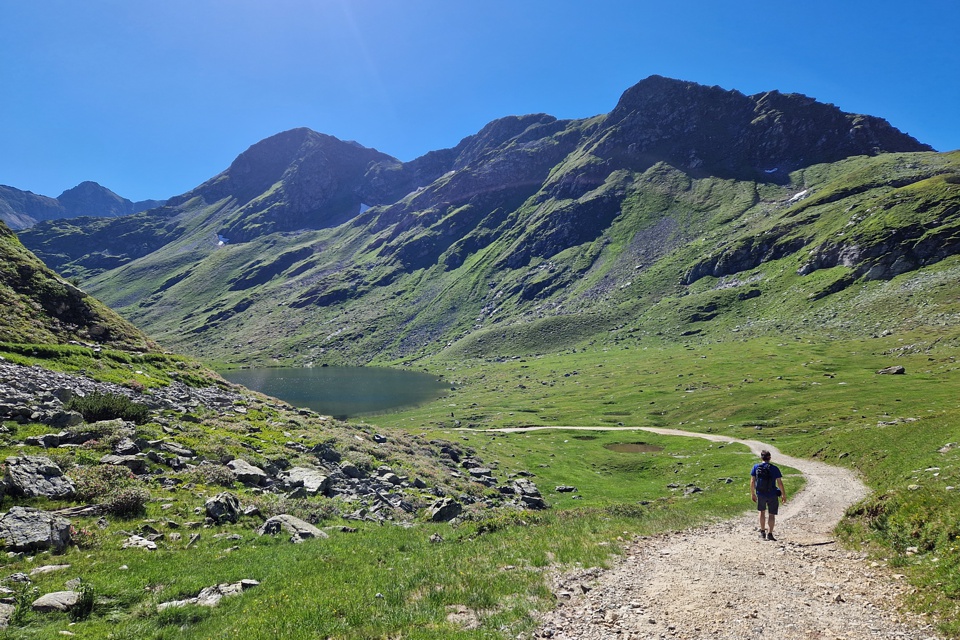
(128, 502)
(98, 406)
(98, 481)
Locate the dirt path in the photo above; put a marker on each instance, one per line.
(723, 582)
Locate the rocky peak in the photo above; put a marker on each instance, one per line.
(704, 129)
(90, 199)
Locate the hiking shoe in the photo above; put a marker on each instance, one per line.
(771, 538)
(763, 534)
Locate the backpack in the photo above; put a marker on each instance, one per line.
(764, 478)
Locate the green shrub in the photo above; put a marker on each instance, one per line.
(99, 481)
(109, 406)
(214, 474)
(128, 502)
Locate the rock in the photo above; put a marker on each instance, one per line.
(565, 488)
(56, 601)
(211, 596)
(28, 529)
(529, 494)
(47, 441)
(247, 473)
(223, 507)
(444, 510)
(350, 470)
(894, 370)
(136, 542)
(298, 529)
(126, 447)
(177, 450)
(35, 476)
(6, 612)
(64, 419)
(49, 568)
(313, 481)
(135, 464)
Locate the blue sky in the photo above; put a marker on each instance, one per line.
(152, 98)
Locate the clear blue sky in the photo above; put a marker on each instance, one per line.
(152, 98)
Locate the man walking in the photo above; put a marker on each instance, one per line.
(766, 486)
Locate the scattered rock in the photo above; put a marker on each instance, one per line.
(565, 488)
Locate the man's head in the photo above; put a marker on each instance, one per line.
(765, 455)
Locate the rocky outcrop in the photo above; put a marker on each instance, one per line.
(223, 507)
(298, 529)
(35, 476)
(30, 530)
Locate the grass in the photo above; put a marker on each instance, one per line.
(381, 581)
(812, 398)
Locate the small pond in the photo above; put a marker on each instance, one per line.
(342, 392)
(632, 447)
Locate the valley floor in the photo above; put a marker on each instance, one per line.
(723, 582)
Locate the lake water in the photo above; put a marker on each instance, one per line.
(342, 392)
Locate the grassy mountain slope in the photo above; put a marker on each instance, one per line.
(41, 307)
(684, 210)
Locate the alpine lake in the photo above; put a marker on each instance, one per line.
(342, 392)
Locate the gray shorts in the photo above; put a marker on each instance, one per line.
(770, 504)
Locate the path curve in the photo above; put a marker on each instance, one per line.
(722, 582)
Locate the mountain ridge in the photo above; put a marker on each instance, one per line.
(531, 220)
(22, 209)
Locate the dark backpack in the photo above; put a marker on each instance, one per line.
(764, 478)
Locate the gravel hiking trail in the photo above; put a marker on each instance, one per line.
(722, 581)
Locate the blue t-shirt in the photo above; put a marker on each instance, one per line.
(774, 474)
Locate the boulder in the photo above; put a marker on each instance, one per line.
(134, 463)
(298, 529)
(126, 447)
(27, 529)
(312, 480)
(246, 473)
(895, 370)
(47, 441)
(350, 470)
(211, 596)
(177, 449)
(34, 476)
(529, 494)
(223, 507)
(64, 419)
(444, 510)
(56, 601)
(565, 488)
(138, 542)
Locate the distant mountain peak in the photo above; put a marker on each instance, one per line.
(711, 129)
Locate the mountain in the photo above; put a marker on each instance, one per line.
(23, 209)
(687, 212)
(39, 307)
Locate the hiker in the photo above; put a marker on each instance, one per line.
(766, 485)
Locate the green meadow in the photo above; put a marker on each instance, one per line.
(487, 575)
